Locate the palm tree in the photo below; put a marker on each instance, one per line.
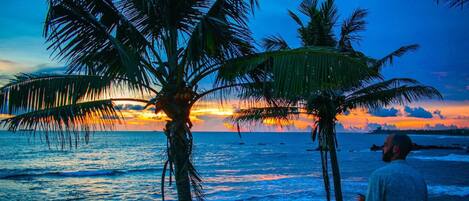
(327, 91)
(156, 51)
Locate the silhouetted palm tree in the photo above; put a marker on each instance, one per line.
(156, 52)
(161, 49)
(326, 91)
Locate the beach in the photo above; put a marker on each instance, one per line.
(260, 166)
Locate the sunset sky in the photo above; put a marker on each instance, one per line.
(442, 62)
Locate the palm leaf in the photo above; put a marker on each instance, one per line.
(384, 85)
(80, 117)
(319, 30)
(157, 16)
(29, 92)
(93, 36)
(221, 33)
(295, 17)
(389, 59)
(257, 115)
(308, 7)
(297, 72)
(328, 11)
(376, 97)
(272, 43)
(145, 15)
(350, 27)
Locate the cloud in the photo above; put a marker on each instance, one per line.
(384, 112)
(209, 117)
(10, 67)
(440, 127)
(374, 126)
(130, 107)
(6, 61)
(438, 113)
(418, 112)
(44, 68)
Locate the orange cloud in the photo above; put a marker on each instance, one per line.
(211, 116)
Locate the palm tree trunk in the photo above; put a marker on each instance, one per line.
(334, 162)
(179, 155)
(325, 174)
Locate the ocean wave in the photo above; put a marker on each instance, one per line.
(353, 187)
(63, 174)
(438, 136)
(90, 173)
(450, 136)
(450, 157)
(84, 173)
(449, 190)
(298, 195)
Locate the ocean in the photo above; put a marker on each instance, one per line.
(258, 166)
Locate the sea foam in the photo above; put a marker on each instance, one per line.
(449, 190)
(450, 157)
(83, 173)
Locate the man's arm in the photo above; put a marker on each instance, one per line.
(375, 188)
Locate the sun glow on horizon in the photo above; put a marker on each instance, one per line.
(211, 116)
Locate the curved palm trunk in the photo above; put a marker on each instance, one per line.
(327, 139)
(178, 155)
(325, 174)
(180, 151)
(335, 170)
(331, 144)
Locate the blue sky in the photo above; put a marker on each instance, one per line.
(442, 61)
(442, 32)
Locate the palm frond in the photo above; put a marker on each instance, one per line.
(29, 92)
(295, 17)
(262, 94)
(157, 17)
(389, 59)
(355, 23)
(319, 30)
(257, 115)
(308, 7)
(454, 3)
(93, 36)
(329, 12)
(384, 85)
(297, 72)
(393, 95)
(145, 15)
(80, 117)
(272, 43)
(221, 33)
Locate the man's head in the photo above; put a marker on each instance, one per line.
(396, 147)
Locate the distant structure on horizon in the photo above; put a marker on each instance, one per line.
(462, 132)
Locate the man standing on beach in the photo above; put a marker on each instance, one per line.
(396, 181)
